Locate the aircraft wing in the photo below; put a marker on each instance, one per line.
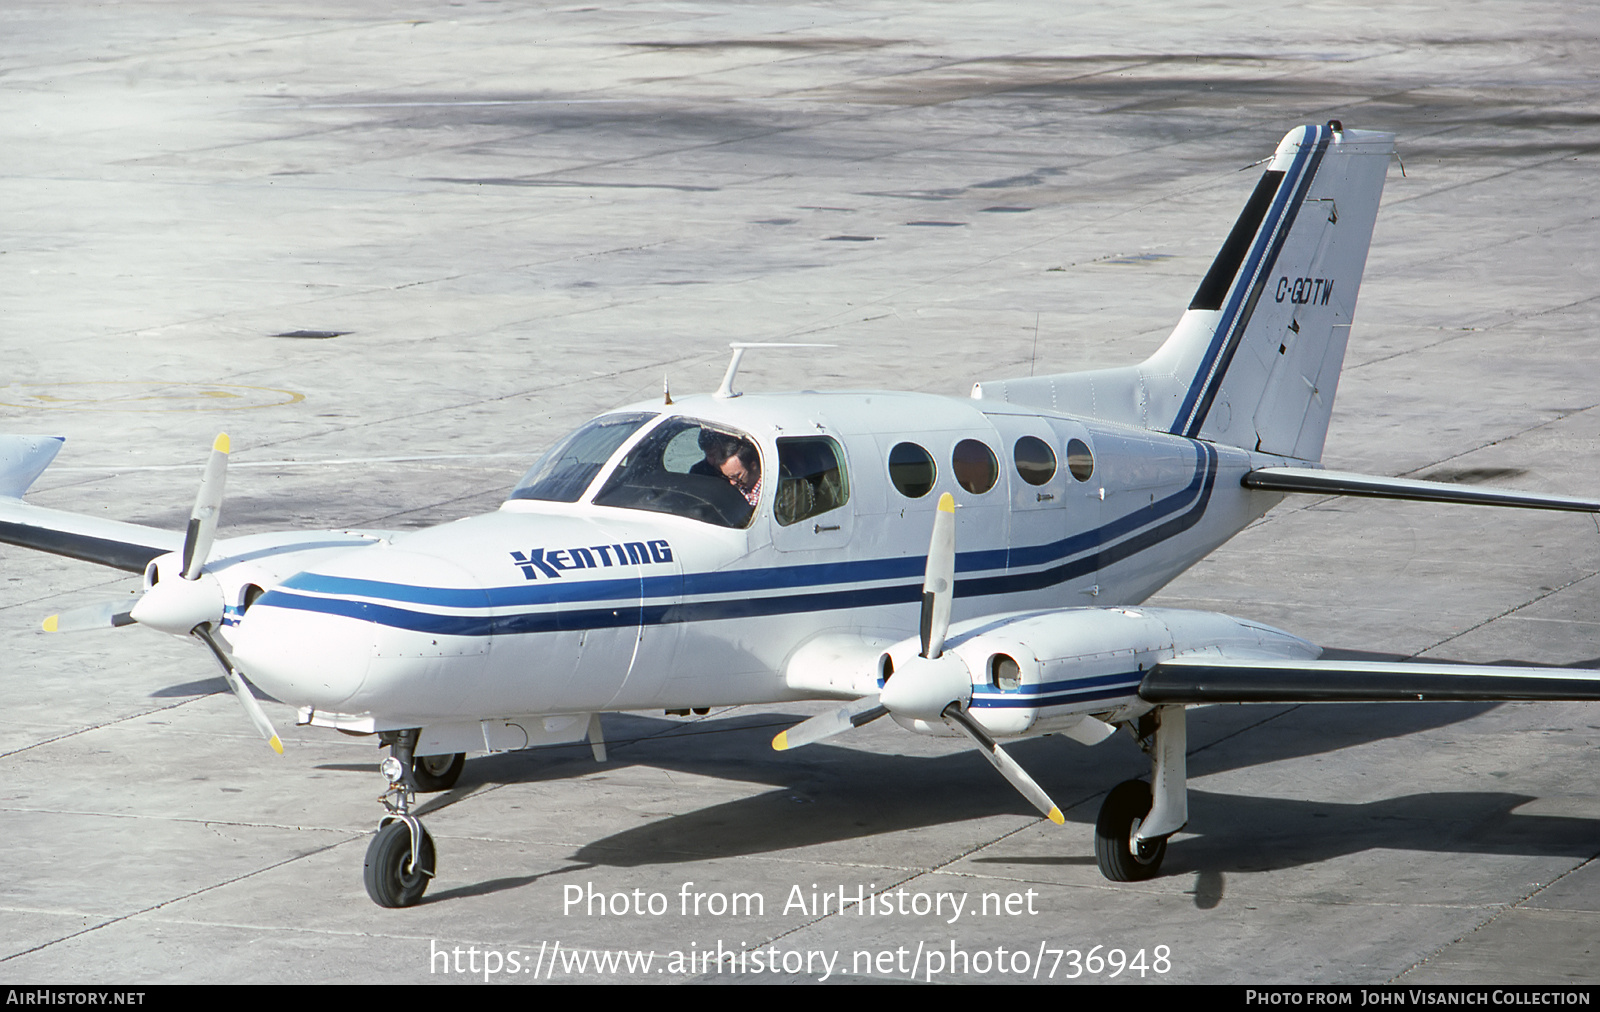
(111, 543)
(1220, 680)
(1310, 479)
(91, 539)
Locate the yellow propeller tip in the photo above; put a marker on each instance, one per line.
(52, 623)
(781, 742)
(222, 442)
(277, 746)
(947, 503)
(1056, 817)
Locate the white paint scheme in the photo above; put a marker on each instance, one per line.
(453, 631)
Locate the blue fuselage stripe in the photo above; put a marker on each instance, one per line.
(1076, 556)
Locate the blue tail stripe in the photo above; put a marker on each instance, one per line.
(1224, 340)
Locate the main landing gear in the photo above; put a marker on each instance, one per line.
(1130, 835)
(400, 859)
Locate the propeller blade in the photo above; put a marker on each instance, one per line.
(825, 725)
(247, 699)
(207, 504)
(939, 581)
(111, 615)
(957, 717)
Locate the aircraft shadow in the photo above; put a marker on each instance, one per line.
(831, 793)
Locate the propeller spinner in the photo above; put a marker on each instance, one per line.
(933, 685)
(184, 600)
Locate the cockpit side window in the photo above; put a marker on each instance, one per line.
(689, 469)
(811, 479)
(562, 474)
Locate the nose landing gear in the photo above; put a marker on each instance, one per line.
(400, 859)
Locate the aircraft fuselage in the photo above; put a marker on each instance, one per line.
(571, 607)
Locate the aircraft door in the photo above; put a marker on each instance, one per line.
(811, 506)
(1035, 484)
(1082, 494)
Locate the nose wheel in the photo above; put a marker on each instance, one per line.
(401, 859)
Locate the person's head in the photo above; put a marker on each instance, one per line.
(716, 446)
(740, 464)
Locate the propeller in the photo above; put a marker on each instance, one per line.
(188, 602)
(933, 685)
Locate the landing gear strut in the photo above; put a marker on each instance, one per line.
(1130, 836)
(400, 859)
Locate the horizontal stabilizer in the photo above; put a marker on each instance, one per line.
(24, 458)
(1225, 681)
(1307, 479)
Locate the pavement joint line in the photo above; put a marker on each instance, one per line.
(1425, 960)
(1313, 502)
(1568, 153)
(108, 723)
(236, 464)
(183, 819)
(1558, 417)
(1496, 911)
(412, 417)
(1509, 611)
(175, 899)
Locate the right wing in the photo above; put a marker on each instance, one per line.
(1220, 680)
(124, 546)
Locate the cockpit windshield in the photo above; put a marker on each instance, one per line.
(689, 469)
(565, 472)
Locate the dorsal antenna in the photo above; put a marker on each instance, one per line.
(726, 389)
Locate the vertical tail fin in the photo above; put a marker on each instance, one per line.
(1258, 353)
(1255, 360)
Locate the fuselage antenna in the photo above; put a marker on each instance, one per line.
(726, 389)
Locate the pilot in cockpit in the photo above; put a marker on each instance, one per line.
(734, 459)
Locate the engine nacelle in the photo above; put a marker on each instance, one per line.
(1041, 672)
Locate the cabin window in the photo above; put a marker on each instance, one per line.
(811, 479)
(1036, 462)
(565, 472)
(1080, 461)
(689, 469)
(974, 466)
(911, 470)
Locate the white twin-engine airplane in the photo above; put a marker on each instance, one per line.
(968, 567)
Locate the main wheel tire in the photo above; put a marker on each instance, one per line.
(434, 773)
(1119, 858)
(388, 882)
